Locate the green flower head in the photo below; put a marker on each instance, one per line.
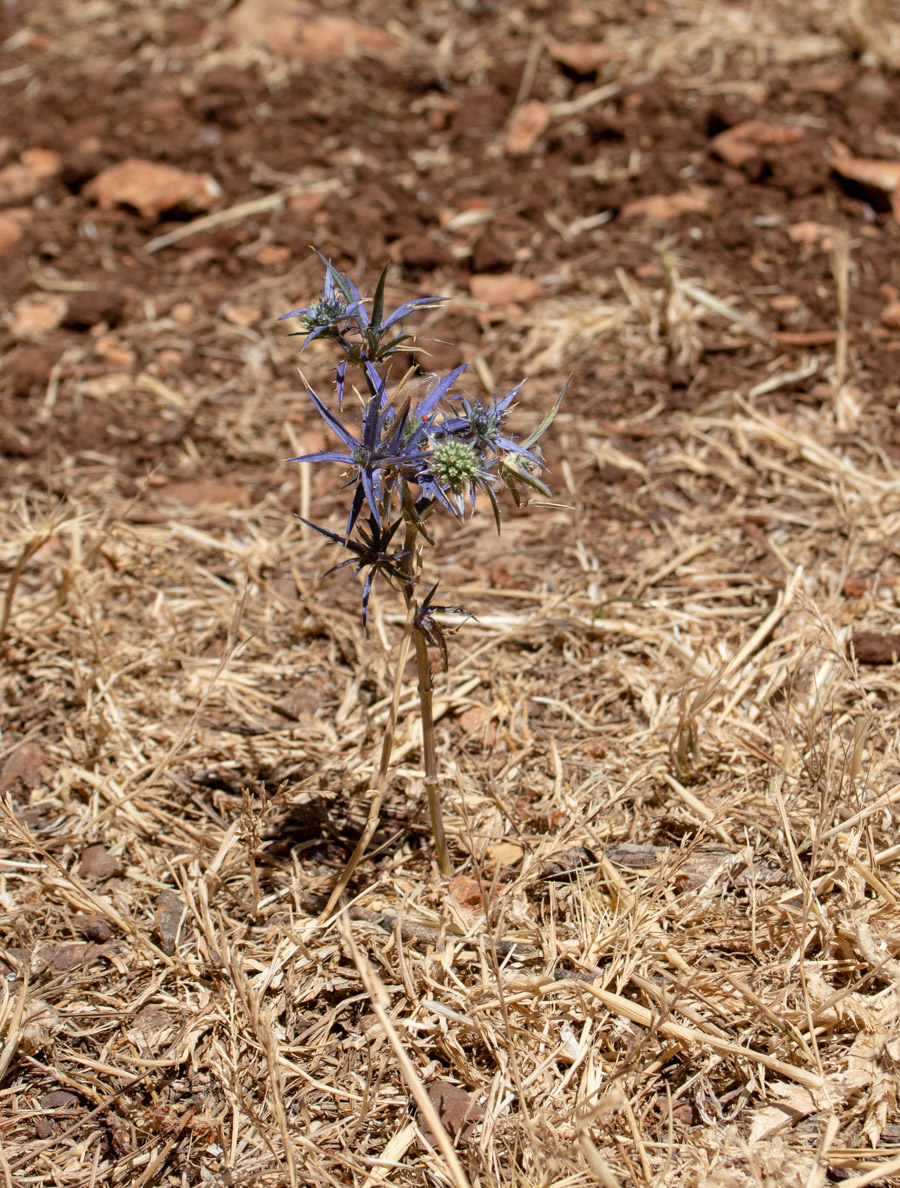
(454, 463)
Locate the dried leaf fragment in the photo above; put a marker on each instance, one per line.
(24, 769)
(167, 920)
(56, 958)
(206, 493)
(567, 864)
(456, 1109)
(97, 863)
(795, 1103)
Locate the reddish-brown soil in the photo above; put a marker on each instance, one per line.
(402, 147)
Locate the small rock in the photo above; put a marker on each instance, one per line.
(97, 863)
(526, 124)
(37, 313)
(41, 163)
(492, 254)
(29, 368)
(306, 34)
(183, 313)
(465, 890)
(112, 349)
(473, 718)
(152, 188)
(813, 235)
(505, 853)
(890, 315)
(305, 205)
(583, 57)
(876, 647)
(741, 144)
(242, 315)
(273, 253)
(695, 200)
(12, 223)
(421, 251)
(24, 178)
(504, 288)
(93, 307)
(170, 360)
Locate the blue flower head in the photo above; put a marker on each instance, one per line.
(407, 457)
(340, 314)
(334, 310)
(382, 452)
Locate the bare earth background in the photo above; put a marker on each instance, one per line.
(671, 951)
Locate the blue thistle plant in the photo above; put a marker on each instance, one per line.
(406, 460)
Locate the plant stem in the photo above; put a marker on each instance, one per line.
(377, 790)
(429, 754)
(426, 704)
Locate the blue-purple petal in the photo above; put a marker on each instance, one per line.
(359, 309)
(513, 447)
(368, 486)
(407, 307)
(436, 394)
(322, 456)
(501, 404)
(295, 313)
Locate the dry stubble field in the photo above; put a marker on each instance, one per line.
(670, 953)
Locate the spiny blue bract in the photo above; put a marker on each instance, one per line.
(408, 457)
